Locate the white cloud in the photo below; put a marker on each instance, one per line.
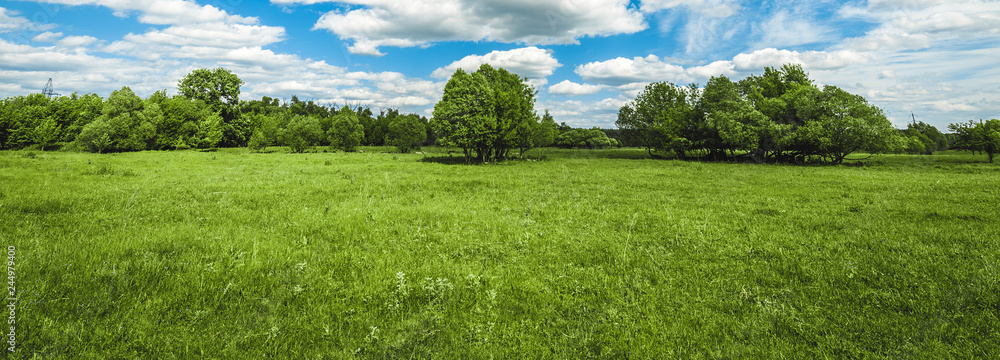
(602, 113)
(164, 12)
(76, 41)
(530, 62)
(949, 106)
(622, 71)
(422, 22)
(47, 36)
(787, 30)
(569, 88)
(915, 25)
(810, 60)
(707, 8)
(9, 21)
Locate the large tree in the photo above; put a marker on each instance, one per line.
(484, 112)
(660, 116)
(220, 90)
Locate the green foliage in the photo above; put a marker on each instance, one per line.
(347, 133)
(660, 116)
(126, 124)
(777, 116)
(406, 133)
(983, 136)
(47, 133)
(932, 138)
(219, 89)
(593, 138)
(482, 112)
(96, 136)
(301, 133)
(258, 141)
(546, 131)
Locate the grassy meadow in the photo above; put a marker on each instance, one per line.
(580, 254)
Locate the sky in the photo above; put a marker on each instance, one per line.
(932, 60)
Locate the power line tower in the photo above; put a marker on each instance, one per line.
(47, 90)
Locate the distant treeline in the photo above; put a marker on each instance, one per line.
(779, 116)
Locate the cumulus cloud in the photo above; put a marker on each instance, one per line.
(785, 29)
(569, 88)
(423, 22)
(708, 8)
(47, 36)
(622, 71)
(530, 62)
(601, 113)
(810, 60)
(915, 25)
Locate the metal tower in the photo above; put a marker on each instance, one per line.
(47, 90)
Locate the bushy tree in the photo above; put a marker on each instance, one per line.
(220, 90)
(593, 138)
(482, 111)
(129, 124)
(983, 136)
(777, 116)
(545, 133)
(347, 133)
(659, 117)
(301, 133)
(406, 133)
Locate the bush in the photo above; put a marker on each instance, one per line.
(406, 133)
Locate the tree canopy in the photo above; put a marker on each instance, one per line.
(485, 112)
(777, 116)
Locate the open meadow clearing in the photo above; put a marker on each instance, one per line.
(583, 254)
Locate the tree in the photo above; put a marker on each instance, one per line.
(933, 139)
(482, 111)
(406, 133)
(301, 133)
(346, 133)
(983, 136)
(546, 131)
(220, 90)
(844, 123)
(658, 117)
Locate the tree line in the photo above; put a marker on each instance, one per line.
(778, 116)
(206, 113)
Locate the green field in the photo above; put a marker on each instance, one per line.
(580, 254)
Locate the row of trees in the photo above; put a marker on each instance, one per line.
(206, 113)
(779, 116)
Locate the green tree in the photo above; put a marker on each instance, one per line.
(47, 132)
(95, 136)
(482, 111)
(658, 117)
(406, 133)
(844, 123)
(546, 131)
(301, 133)
(347, 133)
(220, 90)
(983, 136)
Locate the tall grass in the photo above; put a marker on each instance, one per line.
(584, 254)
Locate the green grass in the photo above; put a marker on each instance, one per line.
(583, 254)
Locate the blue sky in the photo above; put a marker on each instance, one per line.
(932, 58)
